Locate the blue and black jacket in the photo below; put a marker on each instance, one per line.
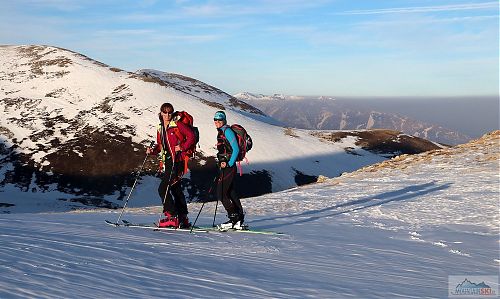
(227, 145)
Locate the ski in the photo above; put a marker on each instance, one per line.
(195, 229)
(155, 227)
(247, 231)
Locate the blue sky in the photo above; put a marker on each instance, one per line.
(324, 47)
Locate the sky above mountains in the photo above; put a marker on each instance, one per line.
(336, 48)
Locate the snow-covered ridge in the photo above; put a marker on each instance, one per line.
(483, 150)
(248, 96)
(216, 97)
(79, 127)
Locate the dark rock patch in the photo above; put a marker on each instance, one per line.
(304, 179)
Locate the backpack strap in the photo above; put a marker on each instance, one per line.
(239, 168)
(177, 133)
(181, 137)
(223, 135)
(186, 159)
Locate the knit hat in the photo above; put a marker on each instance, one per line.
(220, 115)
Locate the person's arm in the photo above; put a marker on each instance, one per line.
(231, 138)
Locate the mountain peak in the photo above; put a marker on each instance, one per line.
(75, 130)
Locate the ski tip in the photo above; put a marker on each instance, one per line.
(112, 223)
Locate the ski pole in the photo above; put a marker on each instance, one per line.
(215, 213)
(209, 191)
(133, 186)
(194, 223)
(216, 198)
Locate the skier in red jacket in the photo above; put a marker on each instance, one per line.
(173, 138)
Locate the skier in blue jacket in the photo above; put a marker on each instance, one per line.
(228, 150)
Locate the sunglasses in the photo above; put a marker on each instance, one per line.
(216, 119)
(168, 113)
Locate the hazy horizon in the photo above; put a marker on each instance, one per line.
(470, 115)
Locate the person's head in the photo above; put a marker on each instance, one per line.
(166, 112)
(219, 119)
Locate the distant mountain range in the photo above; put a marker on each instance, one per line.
(73, 133)
(328, 113)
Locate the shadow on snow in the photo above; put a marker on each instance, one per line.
(407, 193)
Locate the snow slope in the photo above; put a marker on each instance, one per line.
(74, 130)
(396, 229)
(42, 83)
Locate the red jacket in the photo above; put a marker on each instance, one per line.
(178, 134)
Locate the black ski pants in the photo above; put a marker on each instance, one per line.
(226, 192)
(174, 202)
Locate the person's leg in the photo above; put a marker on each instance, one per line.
(180, 205)
(165, 192)
(233, 195)
(179, 199)
(230, 200)
(168, 203)
(177, 192)
(223, 188)
(239, 217)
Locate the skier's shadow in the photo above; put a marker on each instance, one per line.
(371, 201)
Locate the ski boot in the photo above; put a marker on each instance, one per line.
(169, 221)
(235, 222)
(184, 221)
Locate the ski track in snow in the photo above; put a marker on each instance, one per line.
(88, 257)
(396, 231)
